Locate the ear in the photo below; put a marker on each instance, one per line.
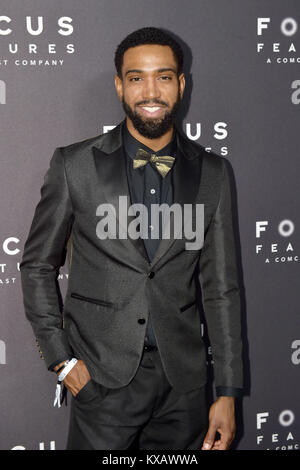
(119, 87)
(181, 80)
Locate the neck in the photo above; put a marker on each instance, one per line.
(154, 144)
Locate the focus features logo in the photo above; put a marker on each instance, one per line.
(9, 249)
(295, 357)
(2, 352)
(2, 92)
(275, 249)
(40, 52)
(283, 438)
(194, 132)
(8, 264)
(283, 51)
(41, 446)
(295, 96)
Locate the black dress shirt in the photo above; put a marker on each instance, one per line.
(147, 186)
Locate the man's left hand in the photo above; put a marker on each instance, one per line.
(221, 420)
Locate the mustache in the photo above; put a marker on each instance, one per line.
(146, 102)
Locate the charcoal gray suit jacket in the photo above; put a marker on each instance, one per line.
(112, 286)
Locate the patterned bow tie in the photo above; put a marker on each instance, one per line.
(162, 163)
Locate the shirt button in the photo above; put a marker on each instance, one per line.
(151, 227)
(152, 191)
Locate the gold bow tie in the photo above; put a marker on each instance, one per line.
(162, 163)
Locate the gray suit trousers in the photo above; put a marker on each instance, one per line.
(147, 413)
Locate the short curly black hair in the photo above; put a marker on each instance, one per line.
(148, 35)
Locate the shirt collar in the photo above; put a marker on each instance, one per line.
(132, 145)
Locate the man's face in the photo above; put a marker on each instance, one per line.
(150, 89)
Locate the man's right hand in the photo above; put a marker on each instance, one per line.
(76, 378)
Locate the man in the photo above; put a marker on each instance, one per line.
(130, 316)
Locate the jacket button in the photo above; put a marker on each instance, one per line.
(151, 274)
(141, 321)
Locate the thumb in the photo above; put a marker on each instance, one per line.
(209, 438)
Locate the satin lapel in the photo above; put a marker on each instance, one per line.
(186, 178)
(112, 179)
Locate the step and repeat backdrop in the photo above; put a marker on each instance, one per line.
(242, 101)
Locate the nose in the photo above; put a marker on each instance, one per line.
(151, 89)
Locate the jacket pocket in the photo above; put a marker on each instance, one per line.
(104, 303)
(185, 307)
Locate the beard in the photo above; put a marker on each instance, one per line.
(152, 128)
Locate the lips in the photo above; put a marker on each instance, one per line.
(151, 111)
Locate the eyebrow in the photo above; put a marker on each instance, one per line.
(165, 69)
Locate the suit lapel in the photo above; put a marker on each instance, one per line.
(111, 168)
(110, 164)
(186, 177)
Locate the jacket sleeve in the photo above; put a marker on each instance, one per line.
(43, 255)
(218, 277)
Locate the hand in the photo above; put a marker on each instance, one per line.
(77, 377)
(221, 420)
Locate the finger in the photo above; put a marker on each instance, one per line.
(70, 388)
(209, 438)
(216, 445)
(225, 441)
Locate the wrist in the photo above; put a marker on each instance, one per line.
(69, 366)
(226, 398)
(58, 366)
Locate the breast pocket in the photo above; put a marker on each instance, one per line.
(90, 315)
(187, 306)
(92, 300)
